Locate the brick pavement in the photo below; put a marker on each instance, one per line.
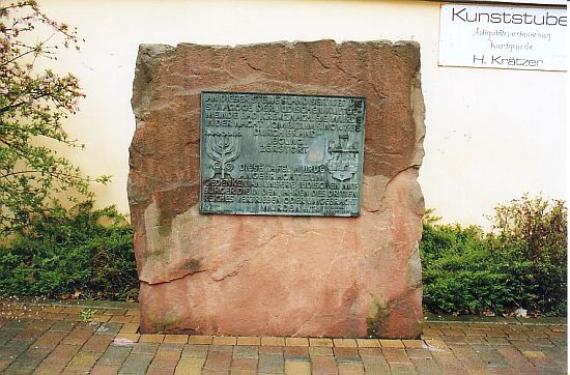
(55, 338)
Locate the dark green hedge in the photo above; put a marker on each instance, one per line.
(521, 262)
(80, 251)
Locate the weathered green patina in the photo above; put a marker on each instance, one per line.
(280, 154)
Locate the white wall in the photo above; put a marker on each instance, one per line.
(491, 134)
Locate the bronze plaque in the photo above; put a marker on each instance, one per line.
(281, 154)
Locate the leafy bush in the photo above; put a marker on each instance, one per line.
(521, 263)
(537, 230)
(82, 251)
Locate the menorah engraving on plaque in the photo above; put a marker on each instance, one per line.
(223, 150)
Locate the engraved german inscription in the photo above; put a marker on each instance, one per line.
(276, 154)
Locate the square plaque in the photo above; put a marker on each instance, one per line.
(281, 154)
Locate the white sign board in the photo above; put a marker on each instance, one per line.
(503, 37)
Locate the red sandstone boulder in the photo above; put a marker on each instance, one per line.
(278, 275)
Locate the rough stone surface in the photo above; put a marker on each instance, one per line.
(277, 275)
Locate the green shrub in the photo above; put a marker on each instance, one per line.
(522, 263)
(82, 251)
(537, 230)
(463, 274)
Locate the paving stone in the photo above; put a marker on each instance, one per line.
(126, 339)
(223, 348)
(297, 353)
(82, 361)
(490, 356)
(120, 319)
(57, 359)
(16, 324)
(294, 367)
(133, 312)
(175, 339)
(476, 340)
(189, 365)
(200, 340)
(224, 340)
(59, 317)
(448, 362)
(50, 339)
(346, 355)
(72, 310)
(557, 356)
(109, 329)
(455, 340)
(485, 348)
(559, 328)
(474, 332)
(144, 348)
(136, 363)
(104, 370)
(431, 331)
(345, 343)
(423, 362)
(63, 326)
(151, 338)
(296, 341)
(522, 345)
(248, 340)
(101, 319)
(394, 355)
(129, 328)
(392, 344)
(78, 336)
(351, 368)
(543, 343)
(97, 344)
(496, 341)
(247, 352)
(5, 362)
(114, 356)
(195, 351)
(436, 344)
(453, 332)
(468, 357)
(557, 334)
(28, 361)
(115, 312)
(517, 360)
(244, 364)
(7, 334)
(218, 360)
(418, 353)
(271, 360)
(320, 342)
(323, 365)
(518, 336)
(414, 344)
(373, 361)
(273, 341)
(317, 351)
(165, 359)
(539, 359)
(368, 343)
(403, 369)
(13, 349)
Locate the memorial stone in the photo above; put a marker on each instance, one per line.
(273, 188)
